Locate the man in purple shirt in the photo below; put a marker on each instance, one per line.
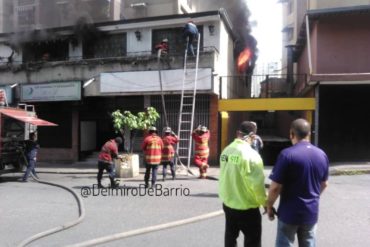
(299, 176)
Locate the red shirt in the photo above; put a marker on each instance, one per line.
(168, 152)
(108, 150)
(152, 147)
(162, 46)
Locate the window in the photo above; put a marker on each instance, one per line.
(105, 46)
(175, 38)
(50, 50)
(26, 15)
(289, 34)
(290, 7)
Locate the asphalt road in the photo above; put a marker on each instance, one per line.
(29, 208)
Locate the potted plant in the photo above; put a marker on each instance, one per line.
(128, 124)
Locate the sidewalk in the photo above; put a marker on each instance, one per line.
(88, 167)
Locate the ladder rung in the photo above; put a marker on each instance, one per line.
(185, 121)
(183, 130)
(187, 104)
(188, 96)
(184, 139)
(186, 113)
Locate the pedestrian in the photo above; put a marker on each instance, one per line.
(190, 32)
(201, 137)
(299, 176)
(152, 147)
(242, 189)
(108, 153)
(168, 152)
(31, 149)
(257, 143)
(162, 48)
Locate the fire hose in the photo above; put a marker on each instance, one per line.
(81, 209)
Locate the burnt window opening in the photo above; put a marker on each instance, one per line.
(176, 41)
(52, 50)
(105, 46)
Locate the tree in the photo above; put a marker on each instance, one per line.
(128, 122)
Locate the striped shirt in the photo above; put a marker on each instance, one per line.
(152, 147)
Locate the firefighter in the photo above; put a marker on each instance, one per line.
(201, 136)
(152, 147)
(162, 48)
(168, 152)
(190, 32)
(31, 154)
(108, 152)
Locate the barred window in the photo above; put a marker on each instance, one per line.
(106, 46)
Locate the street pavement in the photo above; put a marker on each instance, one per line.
(29, 208)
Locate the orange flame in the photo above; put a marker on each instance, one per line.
(243, 59)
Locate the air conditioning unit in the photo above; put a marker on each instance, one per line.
(138, 5)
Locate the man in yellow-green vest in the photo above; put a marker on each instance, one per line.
(242, 188)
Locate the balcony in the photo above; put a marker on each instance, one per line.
(77, 68)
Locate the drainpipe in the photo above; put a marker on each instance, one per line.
(290, 68)
(317, 108)
(308, 44)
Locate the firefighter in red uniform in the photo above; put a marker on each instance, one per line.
(201, 136)
(168, 151)
(152, 147)
(162, 48)
(108, 152)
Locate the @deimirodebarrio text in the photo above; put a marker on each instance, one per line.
(157, 190)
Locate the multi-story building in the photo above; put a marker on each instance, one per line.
(327, 43)
(77, 75)
(40, 14)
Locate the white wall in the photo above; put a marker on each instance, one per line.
(149, 81)
(139, 47)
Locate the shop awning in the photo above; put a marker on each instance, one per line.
(26, 117)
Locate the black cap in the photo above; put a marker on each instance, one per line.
(118, 140)
(247, 127)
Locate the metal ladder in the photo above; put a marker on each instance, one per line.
(187, 110)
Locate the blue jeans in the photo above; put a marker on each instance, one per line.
(30, 168)
(285, 235)
(172, 167)
(154, 169)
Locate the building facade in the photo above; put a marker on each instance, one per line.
(77, 75)
(328, 42)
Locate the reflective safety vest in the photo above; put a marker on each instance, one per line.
(168, 152)
(152, 147)
(201, 144)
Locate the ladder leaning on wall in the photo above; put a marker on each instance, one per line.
(187, 109)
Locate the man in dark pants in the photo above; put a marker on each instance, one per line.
(31, 154)
(242, 188)
(168, 152)
(152, 147)
(108, 152)
(190, 32)
(299, 177)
